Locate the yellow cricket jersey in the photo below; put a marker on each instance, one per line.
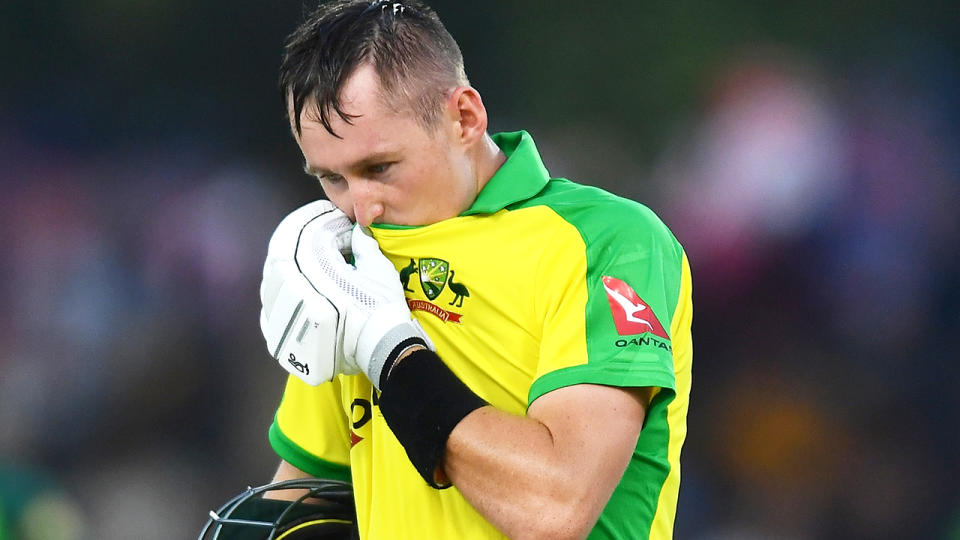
(541, 284)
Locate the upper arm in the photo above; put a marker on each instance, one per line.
(551, 472)
(310, 430)
(595, 430)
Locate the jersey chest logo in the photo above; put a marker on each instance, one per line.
(631, 314)
(435, 277)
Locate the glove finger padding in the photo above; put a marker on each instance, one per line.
(369, 296)
(304, 330)
(301, 327)
(374, 267)
(320, 259)
(283, 242)
(390, 326)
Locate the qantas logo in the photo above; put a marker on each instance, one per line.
(631, 314)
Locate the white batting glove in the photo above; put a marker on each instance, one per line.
(303, 330)
(369, 296)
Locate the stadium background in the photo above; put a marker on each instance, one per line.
(806, 154)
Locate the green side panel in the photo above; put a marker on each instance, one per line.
(629, 513)
(293, 454)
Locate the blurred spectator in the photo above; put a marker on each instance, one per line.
(763, 167)
(815, 211)
(34, 507)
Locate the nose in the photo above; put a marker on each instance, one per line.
(367, 203)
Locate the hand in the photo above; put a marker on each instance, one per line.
(303, 330)
(369, 296)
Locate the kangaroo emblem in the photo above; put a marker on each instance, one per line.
(458, 288)
(405, 274)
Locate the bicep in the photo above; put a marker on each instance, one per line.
(596, 427)
(551, 472)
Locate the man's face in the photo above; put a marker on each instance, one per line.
(386, 168)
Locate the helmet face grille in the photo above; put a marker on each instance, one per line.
(320, 509)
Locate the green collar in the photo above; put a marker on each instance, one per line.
(521, 177)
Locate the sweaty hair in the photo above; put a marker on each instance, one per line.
(417, 60)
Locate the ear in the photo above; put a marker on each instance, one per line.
(467, 110)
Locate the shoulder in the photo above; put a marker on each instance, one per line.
(605, 221)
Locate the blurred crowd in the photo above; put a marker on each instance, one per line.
(132, 362)
(818, 204)
(821, 216)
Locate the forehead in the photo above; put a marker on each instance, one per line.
(362, 96)
(373, 123)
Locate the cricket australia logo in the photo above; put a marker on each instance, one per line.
(436, 277)
(433, 276)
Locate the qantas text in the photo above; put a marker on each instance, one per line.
(644, 341)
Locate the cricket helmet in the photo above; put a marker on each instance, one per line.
(320, 509)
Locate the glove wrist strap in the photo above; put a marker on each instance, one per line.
(422, 401)
(386, 352)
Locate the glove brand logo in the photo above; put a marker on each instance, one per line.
(302, 368)
(433, 276)
(631, 314)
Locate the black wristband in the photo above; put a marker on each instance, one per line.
(422, 401)
(394, 354)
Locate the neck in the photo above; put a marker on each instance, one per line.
(489, 159)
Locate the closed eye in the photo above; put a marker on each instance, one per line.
(330, 179)
(379, 168)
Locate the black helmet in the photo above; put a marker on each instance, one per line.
(321, 510)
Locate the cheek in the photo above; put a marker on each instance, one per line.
(421, 180)
(429, 191)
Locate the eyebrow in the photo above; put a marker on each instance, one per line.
(372, 159)
(314, 171)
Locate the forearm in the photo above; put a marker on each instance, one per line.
(544, 475)
(513, 472)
